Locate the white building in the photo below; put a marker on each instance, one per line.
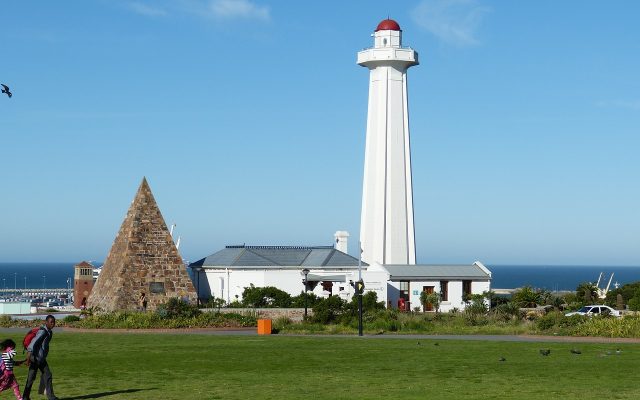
(226, 273)
(387, 225)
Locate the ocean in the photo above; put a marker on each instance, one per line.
(37, 275)
(554, 278)
(557, 277)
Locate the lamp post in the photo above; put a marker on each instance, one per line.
(360, 289)
(197, 271)
(305, 272)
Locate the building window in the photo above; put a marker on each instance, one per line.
(466, 289)
(444, 290)
(403, 300)
(404, 290)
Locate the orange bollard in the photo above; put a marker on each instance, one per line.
(264, 327)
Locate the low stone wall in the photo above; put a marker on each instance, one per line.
(294, 314)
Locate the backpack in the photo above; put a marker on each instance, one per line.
(28, 338)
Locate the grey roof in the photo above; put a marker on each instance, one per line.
(471, 272)
(277, 257)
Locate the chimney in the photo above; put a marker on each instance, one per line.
(341, 241)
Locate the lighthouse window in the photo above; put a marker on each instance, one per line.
(384, 41)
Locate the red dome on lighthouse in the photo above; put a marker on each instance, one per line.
(388, 25)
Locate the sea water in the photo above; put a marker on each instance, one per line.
(559, 277)
(59, 275)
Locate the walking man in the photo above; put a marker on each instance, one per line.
(37, 359)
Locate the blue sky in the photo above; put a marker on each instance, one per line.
(248, 119)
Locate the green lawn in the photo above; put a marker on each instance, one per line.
(168, 366)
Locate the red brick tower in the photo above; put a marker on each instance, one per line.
(82, 284)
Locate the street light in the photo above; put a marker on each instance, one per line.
(305, 272)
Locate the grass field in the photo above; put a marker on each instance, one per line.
(187, 366)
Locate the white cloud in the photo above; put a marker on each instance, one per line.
(245, 9)
(146, 9)
(452, 21)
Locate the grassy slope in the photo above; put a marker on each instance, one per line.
(166, 366)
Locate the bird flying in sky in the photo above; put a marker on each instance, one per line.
(5, 89)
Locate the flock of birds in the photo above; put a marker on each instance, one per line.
(547, 352)
(5, 89)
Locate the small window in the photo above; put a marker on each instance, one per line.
(384, 41)
(404, 290)
(466, 288)
(444, 290)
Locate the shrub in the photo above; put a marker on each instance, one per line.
(586, 292)
(476, 305)
(215, 302)
(550, 320)
(176, 308)
(430, 298)
(527, 297)
(328, 310)
(264, 297)
(299, 301)
(71, 318)
(634, 303)
(6, 321)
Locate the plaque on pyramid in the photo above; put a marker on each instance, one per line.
(143, 268)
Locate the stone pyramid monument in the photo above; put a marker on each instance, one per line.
(143, 268)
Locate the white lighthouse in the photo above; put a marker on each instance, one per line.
(386, 227)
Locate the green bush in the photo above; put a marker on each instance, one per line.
(328, 310)
(265, 297)
(507, 311)
(549, 320)
(299, 301)
(527, 297)
(138, 320)
(176, 308)
(71, 318)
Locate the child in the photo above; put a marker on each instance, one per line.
(7, 379)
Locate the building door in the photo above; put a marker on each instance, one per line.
(327, 286)
(403, 300)
(429, 290)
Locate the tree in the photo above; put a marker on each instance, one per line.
(527, 297)
(586, 292)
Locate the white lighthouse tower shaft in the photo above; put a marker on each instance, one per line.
(386, 226)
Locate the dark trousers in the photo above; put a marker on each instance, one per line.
(46, 379)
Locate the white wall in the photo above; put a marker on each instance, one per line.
(224, 284)
(454, 295)
(208, 282)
